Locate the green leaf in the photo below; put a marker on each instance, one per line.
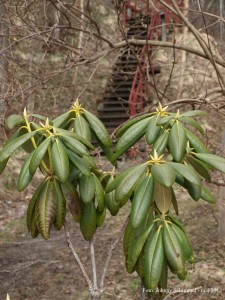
(163, 197)
(31, 206)
(14, 144)
(80, 163)
(142, 200)
(13, 121)
(129, 123)
(177, 141)
(161, 143)
(186, 172)
(200, 167)
(163, 174)
(193, 123)
(87, 188)
(3, 165)
(25, 176)
(99, 129)
(212, 160)
(127, 185)
(60, 161)
(174, 202)
(195, 142)
(74, 145)
(131, 136)
(76, 137)
(43, 118)
(60, 205)
(61, 120)
(82, 128)
(207, 195)
(166, 119)
(45, 209)
(194, 190)
(194, 113)
(99, 194)
(39, 154)
(152, 130)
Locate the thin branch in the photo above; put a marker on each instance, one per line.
(93, 263)
(81, 266)
(112, 248)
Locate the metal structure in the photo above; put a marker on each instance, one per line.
(129, 86)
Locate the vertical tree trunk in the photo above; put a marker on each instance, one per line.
(221, 202)
(4, 43)
(221, 23)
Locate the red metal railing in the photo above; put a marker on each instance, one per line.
(157, 15)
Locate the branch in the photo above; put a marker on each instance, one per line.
(112, 248)
(93, 263)
(81, 266)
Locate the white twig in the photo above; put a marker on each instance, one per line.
(81, 266)
(93, 263)
(109, 257)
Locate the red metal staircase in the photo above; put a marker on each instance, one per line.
(129, 84)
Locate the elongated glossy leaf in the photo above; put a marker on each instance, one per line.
(194, 113)
(38, 155)
(207, 195)
(81, 127)
(100, 217)
(163, 174)
(25, 176)
(61, 120)
(212, 160)
(72, 199)
(138, 245)
(195, 142)
(131, 136)
(164, 120)
(110, 201)
(88, 221)
(112, 185)
(161, 143)
(14, 144)
(200, 167)
(163, 197)
(45, 209)
(78, 162)
(38, 116)
(174, 202)
(126, 187)
(177, 141)
(193, 189)
(153, 261)
(76, 137)
(60, 205)
(13, 121)
(193, 123)
(129, 123)
(99, 194)
(176, 221)
(74, 145)
(152, 130)
(98, 127)
(186, 172)
(60, 161)
(87, 188)
(3, 165)
(31, 206)
(142, 200)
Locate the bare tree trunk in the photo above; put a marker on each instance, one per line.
(221, 23)
(4, 43)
